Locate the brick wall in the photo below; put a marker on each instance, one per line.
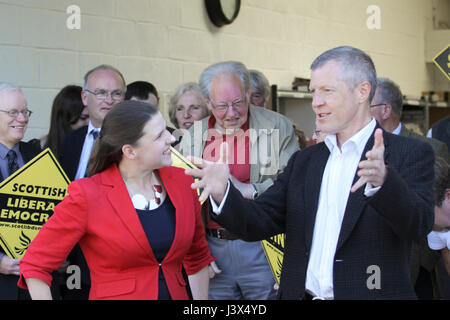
(168, 42)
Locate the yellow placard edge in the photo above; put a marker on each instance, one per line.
(437, 64)
(33, 161)
(268, 260)
(182, 158)
(190, 165)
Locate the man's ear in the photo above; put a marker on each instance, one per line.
(208, 104)
(364, 91)
(84, 97)
(387, 111)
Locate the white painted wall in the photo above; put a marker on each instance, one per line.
(168, 42)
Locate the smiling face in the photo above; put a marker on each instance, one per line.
(339, 109)
(228, 89)
(12, 130)
(152, 150)
(189, 109)
(101, 80)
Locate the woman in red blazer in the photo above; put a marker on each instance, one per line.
(136, 218)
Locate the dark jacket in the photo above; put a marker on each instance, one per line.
(8, 283)
(375, 231)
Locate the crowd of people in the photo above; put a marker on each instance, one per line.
(364, 191)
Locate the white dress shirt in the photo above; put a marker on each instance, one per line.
(86, 152)
(334, 192)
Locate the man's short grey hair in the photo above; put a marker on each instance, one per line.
(259, 82)
(227, 67)
(389, 92)
(182, 89)
(102, 67)
(6, 87)
(356, 66)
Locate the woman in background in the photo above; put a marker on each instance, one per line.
(187, 105)
(68, 113)
(136, 218)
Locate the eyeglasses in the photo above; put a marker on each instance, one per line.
(223, 107)
(101, 94)
(378, 104)
(15, 113)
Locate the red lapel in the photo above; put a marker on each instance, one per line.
(121, 202)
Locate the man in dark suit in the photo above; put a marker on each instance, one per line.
(349, 206)
(441, 131)
(386, 108)
(104, 87)
(14, 117)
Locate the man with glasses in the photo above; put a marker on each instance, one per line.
(386, 108)
(14, 117)
(260, 144)
(104, 87)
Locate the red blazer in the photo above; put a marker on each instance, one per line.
(98, 213)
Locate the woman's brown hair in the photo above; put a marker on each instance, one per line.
(123, 124)
(66, 110)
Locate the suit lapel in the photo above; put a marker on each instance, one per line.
(28, 151)
(357, 200)
(73, 147)
(314, 175)
(120, 200)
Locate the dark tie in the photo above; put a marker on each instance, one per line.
(13, 166)
(94, 134)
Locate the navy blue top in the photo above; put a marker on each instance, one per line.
(159, 226)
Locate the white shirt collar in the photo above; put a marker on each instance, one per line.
(91, 127)
(398, 129)
(359, 139)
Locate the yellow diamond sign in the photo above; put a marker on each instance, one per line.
(274, 250)
(442, 60)
(27, 199)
